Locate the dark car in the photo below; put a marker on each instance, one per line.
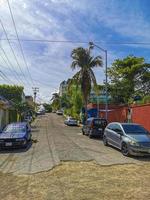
(94, 127)
(15, 135)
(130, 138)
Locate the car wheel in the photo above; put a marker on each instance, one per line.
(90, 134)
(105, 140)
(83, 132)
(124, 149)
(26, 144)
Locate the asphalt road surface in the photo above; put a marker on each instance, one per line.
(54, 142)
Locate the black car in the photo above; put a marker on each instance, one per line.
(15, 135)
(94, 127)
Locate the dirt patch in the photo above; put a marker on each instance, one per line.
(79, 181)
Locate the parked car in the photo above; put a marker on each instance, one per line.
(28, 118)
(15, 135)
(94, 127)
(71, 121)
(130, 138)
(40, 112)
(59, 112)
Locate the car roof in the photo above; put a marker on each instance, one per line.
(123, 123)
(92, 118)
(18, 124)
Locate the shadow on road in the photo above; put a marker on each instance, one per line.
(145, 158)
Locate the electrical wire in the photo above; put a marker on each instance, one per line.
(5, 77)
(12, 49)
(79, 42)
(7, 68)
(22, 52)
(12, 69)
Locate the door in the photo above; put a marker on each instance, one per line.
(117, 135)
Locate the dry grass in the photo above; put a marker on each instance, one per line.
(79, 181)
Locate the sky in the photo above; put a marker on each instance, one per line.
(46, 64)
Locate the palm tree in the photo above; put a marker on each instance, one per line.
(85, 76)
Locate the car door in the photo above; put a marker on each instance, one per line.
(109, 133)
(117, 135)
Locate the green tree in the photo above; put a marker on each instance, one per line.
(83, 61)
(129, 76)
(47, 107)
(56, 101)
(12, 92)
(75, 101)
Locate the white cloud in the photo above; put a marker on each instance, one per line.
(63, 20)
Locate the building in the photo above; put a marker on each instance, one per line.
(29, 100)
(5, 105)
(100, 98)
(63, 88)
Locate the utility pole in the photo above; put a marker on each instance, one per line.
(91, 46)
(35, 90)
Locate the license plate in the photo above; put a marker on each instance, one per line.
(100, 129)
(8, 144)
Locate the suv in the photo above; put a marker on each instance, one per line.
(94, 127)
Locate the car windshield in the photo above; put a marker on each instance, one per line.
(71, 118)
(134, 129)
(14, 129)
(100, 122)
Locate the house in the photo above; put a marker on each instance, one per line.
(5, 105)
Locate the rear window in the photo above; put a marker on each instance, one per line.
(100, 122)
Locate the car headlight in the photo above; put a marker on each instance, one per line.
(134, 143)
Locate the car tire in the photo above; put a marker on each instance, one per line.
(26, 144)
(83, 133)
(124, 149)
(105, 141)
(90, 134)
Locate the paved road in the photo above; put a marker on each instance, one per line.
(54, 142)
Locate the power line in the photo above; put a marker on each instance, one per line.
(12, 70)
(7, 68)
(22, 52)
(46, 41)
(12, 49)
(79, 42)
(5, 77)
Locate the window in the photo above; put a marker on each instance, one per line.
(117, 128)
(110, 126)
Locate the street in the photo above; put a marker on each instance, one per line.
(53, 143)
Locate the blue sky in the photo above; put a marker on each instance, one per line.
(101, 21)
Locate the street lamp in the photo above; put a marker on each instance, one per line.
(91, 46)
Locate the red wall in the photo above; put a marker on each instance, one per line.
(140, 114)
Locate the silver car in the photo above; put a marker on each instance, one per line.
(130, 138)
(71, 122)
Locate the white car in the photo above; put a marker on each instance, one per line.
(59, 112)
(71, 122)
